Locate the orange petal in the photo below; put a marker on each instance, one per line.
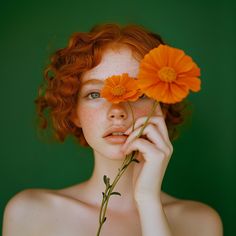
(112, 82)
(149, 67)
(193, 83)
(194, 72)
(151, 92)
(129, 94)
(168, 97)
(124, 79)
(163, 96)
(179, 91)
(184, 65)
(161, 88)
(156, 91)
(160, 55)
(155, 57)
(147, 80)
(135, 97)
(131, 85)
(175, 55)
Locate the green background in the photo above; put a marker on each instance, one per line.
(203, 165)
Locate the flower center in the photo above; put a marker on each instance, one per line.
(167, 74)
(118, 90)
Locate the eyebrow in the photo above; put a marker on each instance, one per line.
(92, 81)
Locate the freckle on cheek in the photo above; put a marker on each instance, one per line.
(88, 115)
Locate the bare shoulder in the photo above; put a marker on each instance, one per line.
(23, 210)
(196, 219)
(25, 198)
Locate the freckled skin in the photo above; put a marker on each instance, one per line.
(94, 114)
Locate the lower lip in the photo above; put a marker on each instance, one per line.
(116, 139)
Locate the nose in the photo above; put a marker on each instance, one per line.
(117, 111)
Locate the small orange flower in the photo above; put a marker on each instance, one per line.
(120, 88)
(167, 74)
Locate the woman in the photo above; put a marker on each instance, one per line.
(75, 78)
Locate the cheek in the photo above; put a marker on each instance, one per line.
(145, 109)
(142, 112)
(88, 120)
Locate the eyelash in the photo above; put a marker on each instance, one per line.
(87, 96)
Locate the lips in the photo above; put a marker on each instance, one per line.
(111, 135)
(115, 130)
(116, 139)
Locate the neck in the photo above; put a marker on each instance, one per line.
(95, 185)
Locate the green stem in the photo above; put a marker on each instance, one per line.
(129, 158)
(106, 196)
(148, 118)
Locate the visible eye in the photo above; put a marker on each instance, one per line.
(93, 95)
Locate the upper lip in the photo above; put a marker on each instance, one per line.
(114, 129)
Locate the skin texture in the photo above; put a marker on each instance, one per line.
(143, 209)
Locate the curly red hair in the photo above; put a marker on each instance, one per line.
(58, 93)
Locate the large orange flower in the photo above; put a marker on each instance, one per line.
(167, 74)
(121, 88)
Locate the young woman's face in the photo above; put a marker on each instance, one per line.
(96, 116)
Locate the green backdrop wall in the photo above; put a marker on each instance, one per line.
(203, 164)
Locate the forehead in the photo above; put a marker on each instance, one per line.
(114, 62)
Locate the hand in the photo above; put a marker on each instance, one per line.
(155, 150)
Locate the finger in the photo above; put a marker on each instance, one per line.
(145, 148)
(157, 120)
(148, 178)
(141, 120)
(153, 135)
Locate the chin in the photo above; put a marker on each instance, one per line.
(114, 154)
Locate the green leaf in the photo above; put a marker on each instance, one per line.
(136, 160)
(106, 180)
(115, 193)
